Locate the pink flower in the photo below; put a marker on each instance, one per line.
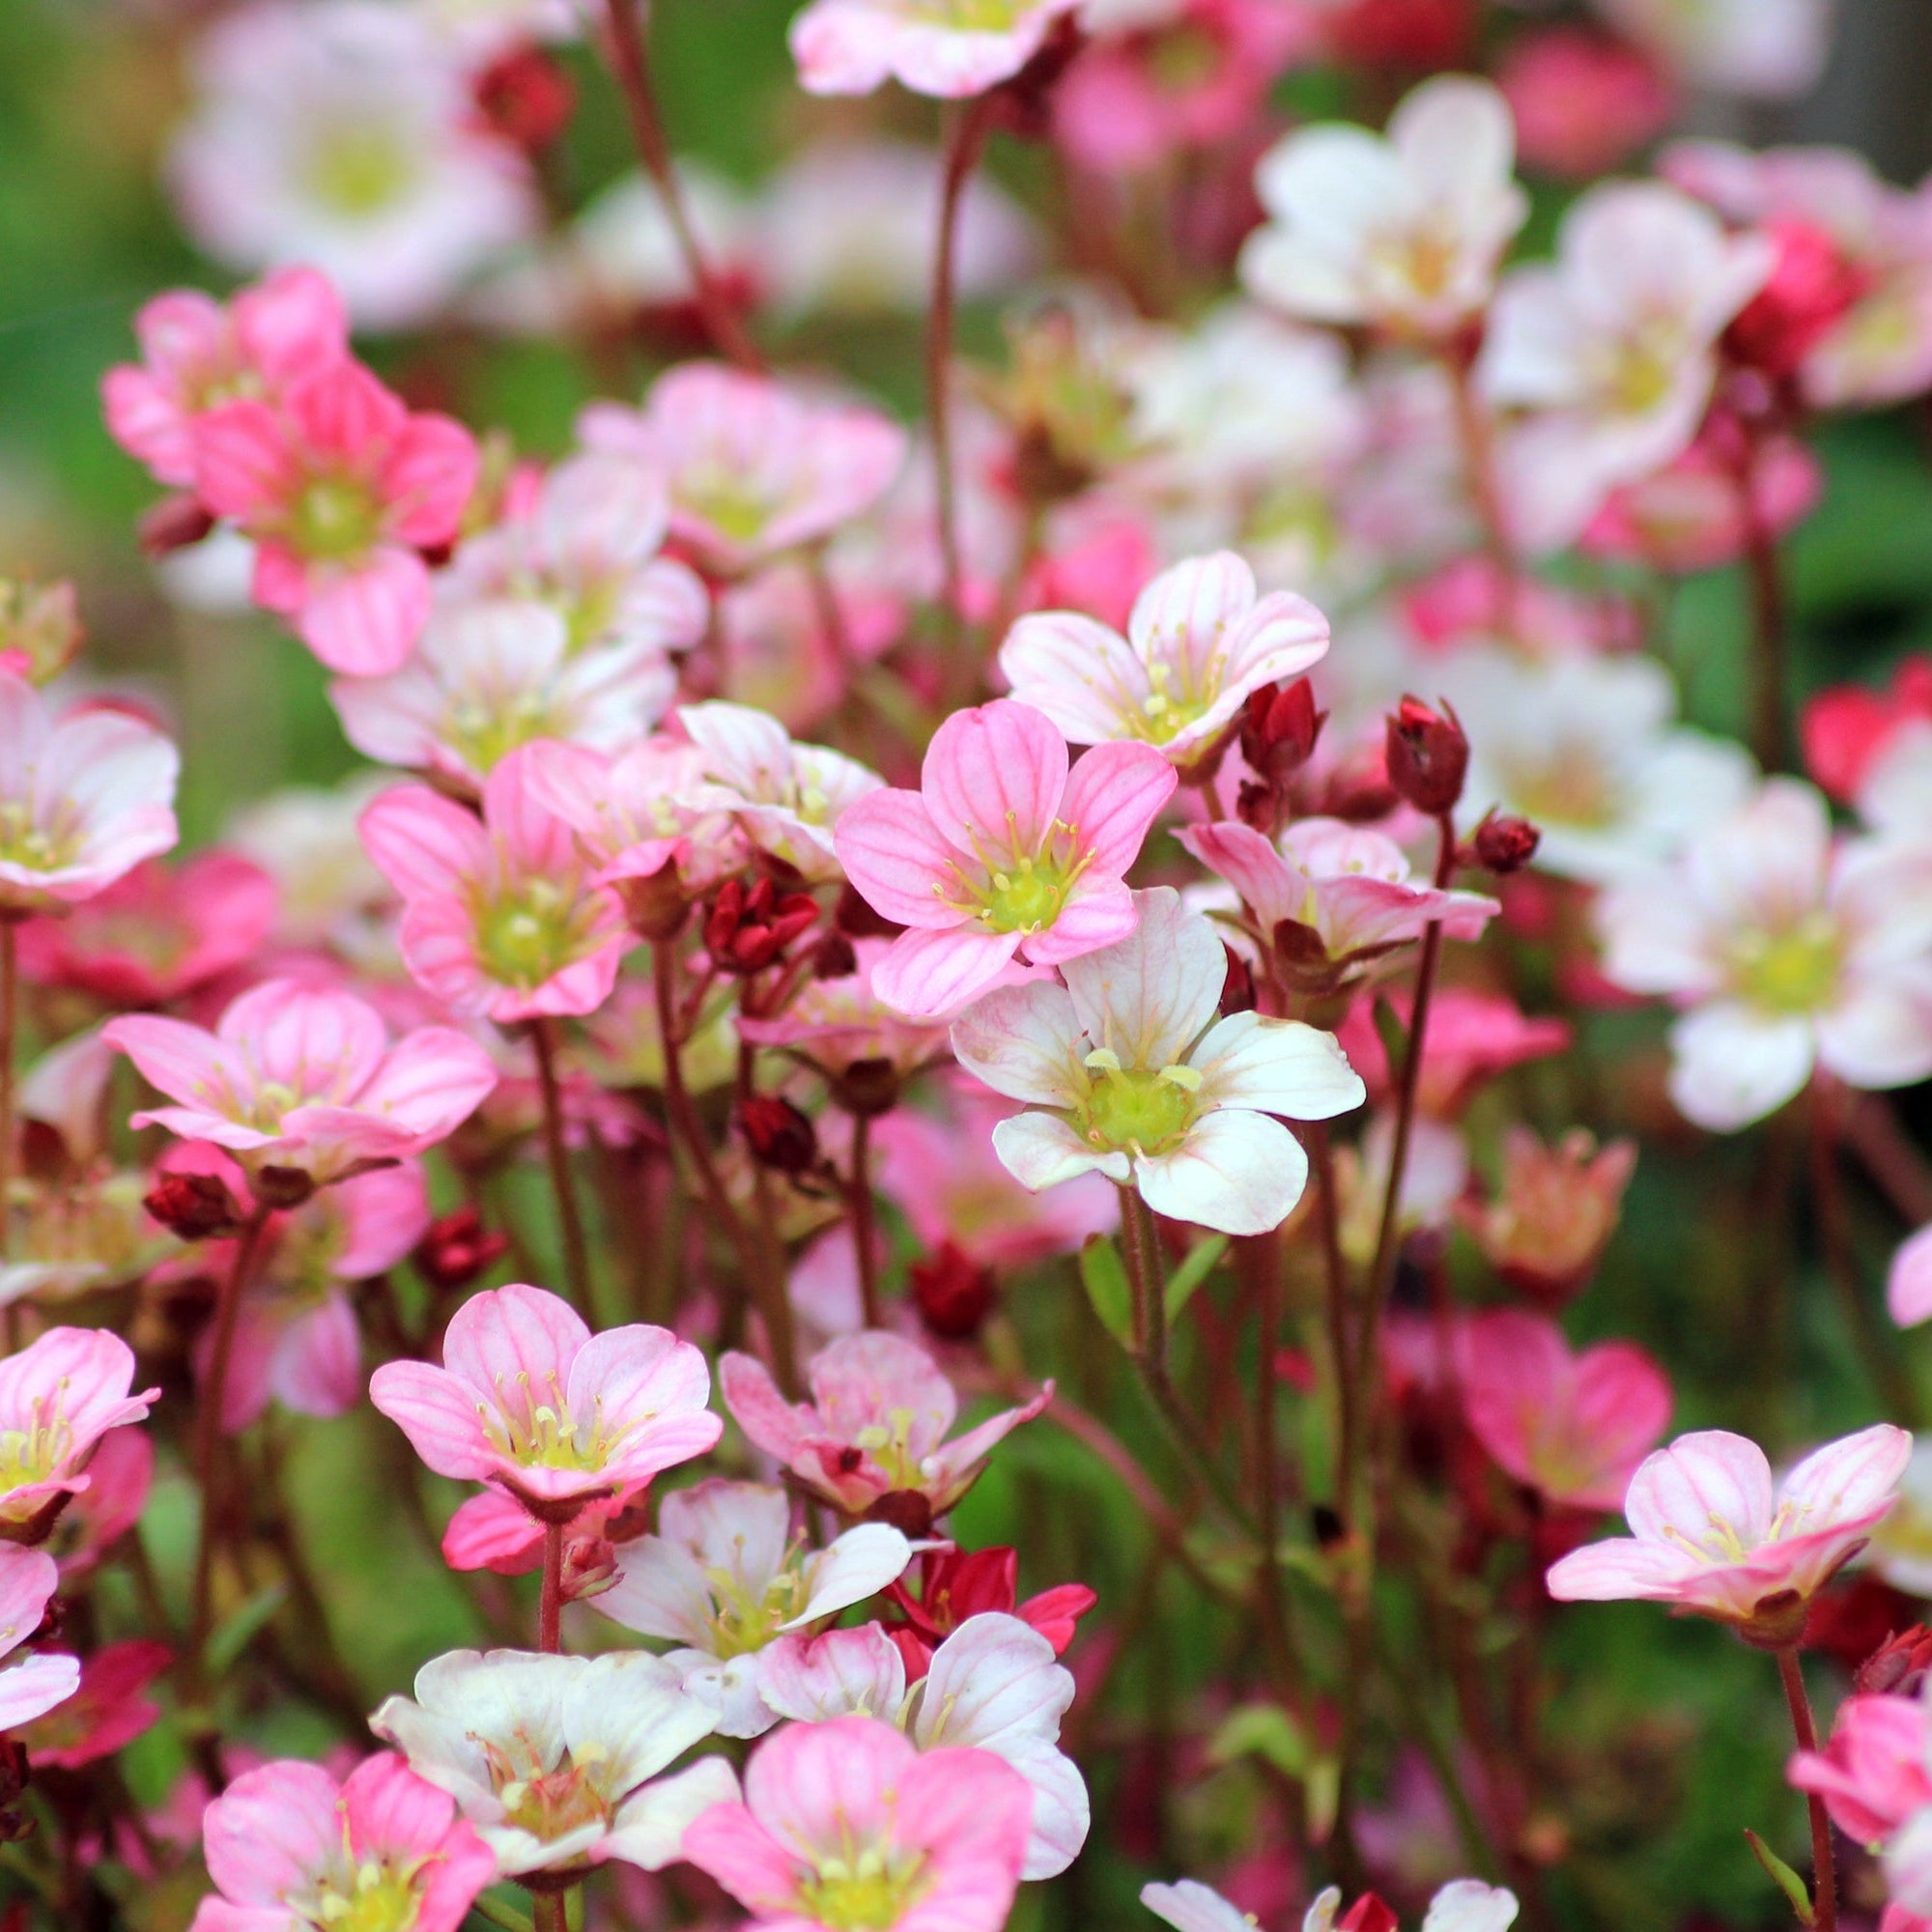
(83, 798)
(1200, 639)
(1872, 1772)
(1472, 1037)
(304, 1077)
(753, 469)
(1462, 1905)
(1002, 853)
(529, 1400)
(197, 354)
(106, 1712)
(847, 1823)
(841, 1023)
(1582, 101)
(120, 1473)
(157, 933)
(341, 488)
(59, 1396)
(1130, 1073)
(288, 1848)
(851, 47)
(871, 1439)
(1554, 1211)
(1712, 1538)
(1403, 230)
(1908, 1286)
(37, 1682)
(1573, 1427)
(501, 918)
(1849, 731)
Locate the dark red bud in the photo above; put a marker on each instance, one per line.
(1897, 1667)
(457, 1249)
(196, 1206)
(867, 1088)
(173, 523)
(779, 1134)
(655, 904)
(1503, 846)
(747, 931)
(833, 957)
(283, 1187)
(525, 96)
(856, 918)
(1368, 1914)
(1237, 988)
(952, 1293)
(1279, 729)
(1426, 755)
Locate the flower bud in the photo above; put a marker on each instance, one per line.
(1554, 1214)
(1426, 755)
(1237, 988)
(457, 1248)
(1503, 845)
(952, 1293)
(1279, 729)
(833, 957)
(525, 96)
(866, 1088)
(1897, 1667)
(173, 523)
(1810, 287)
(747, 931)
(779, 1135)
(39, 629)
(1368, 1914)
(195, 1206)
(655, 904)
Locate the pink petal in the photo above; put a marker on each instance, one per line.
(273, 1832)
(428, 479)
(242, 466)
(927, 975)
(511, 1335)
(896, 858)
(1908, 1287)
(184, 1062)
(344, 411)
(1707, 1477)
(364, 622)
(437, 1412)
(780, 1429)
(427, 847)
(993, 780)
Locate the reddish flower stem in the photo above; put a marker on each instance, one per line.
(556, 1156)
(1765, 577)
(860, 1208)
(1824, 1868)
(549, 1610)
(10, 1015)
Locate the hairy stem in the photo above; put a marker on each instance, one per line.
(1824, 1868)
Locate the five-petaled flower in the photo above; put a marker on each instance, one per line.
(59, 1396)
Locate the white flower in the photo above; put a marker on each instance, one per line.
(1788, 951)
(555, 1759)
(1404, 230)
(1900, 1549)
(1770, 50)
(1129, 1073)
(723, 1578)
(1462, 1905)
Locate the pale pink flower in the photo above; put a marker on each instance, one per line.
(1349, 887)
(723, 1578)
(197, 353)
(1129, 1071)
(59, 1396)
(1004, 852)
(1907, 1285)
(753, 469)
(493, 1531)
(1788, 950)
(1582, 101)
(556, 1760)
(120, 1473)
(106, 1712)
(1716, 1538)
(34, 1683)
(951, 51)
(1462, 1905)
(487, 677)
(1403, 230)
(84, 798)
(872, 1441)
(501, 918)
(344, 134)
(156, 932)
(289, 1848)
(1767, 49)
(1554, 1209)
(847, 1821)
(787, 798)
(1612, 349)
(1574, 1427)
(841, 1023)
(1200, 639)
(1872, 1771)
(784, 654)
(305, 838)
(991, 1685)
(304, 1077)
(528, 1397)
(584, 540)
(1472, 1037)
(341, 487)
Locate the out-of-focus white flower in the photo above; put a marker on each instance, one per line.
(1768, 49)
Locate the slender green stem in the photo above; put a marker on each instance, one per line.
(557, 1155)
(1824, 1867)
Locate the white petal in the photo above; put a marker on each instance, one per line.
(1236, 1171)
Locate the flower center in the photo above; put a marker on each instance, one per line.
(1136, 1109)
(727, 501)
(968, 16)
(544, 1434)
(359, 170)
(1020, 892)
(867, 1892)
(889, 1443)
(484, 731)
(743, 1621)
(375, 1899)
(33, 1454)
(41, 848)
(552, 1804)
(532, 930)
(1640, 371)
(1163, 714)
(1569, 789)
(335, 520)
(1795, 971)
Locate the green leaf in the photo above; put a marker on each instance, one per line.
(1782, 1876)
(1200, 1263)
(241, 1627)
(1264, 1731)
(1105, 1278)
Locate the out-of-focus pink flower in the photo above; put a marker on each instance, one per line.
(486, 678)
(120, 1473)
(1129, 1071)
(1612, 349)
(1003, 853)
(1403, 230)
(1462, 1905)
(555, 1760)
(528, 1397)
(33, 1684)
(842, 1027)
(1847, 729)
(288, 1848)
(1789, 950)
(753, 469)
(156, 932)
(1472, 1037)
(501, 918)
(584, 540)
(59, 1396)
(106, 1712)
(1574, 1427)
(1766, 50)
(1583, 100)
(197, 354)
(872, 1441)
(304, 1077)
(852, 47)
(914, 1843)
(1200, 639)
(341, 487)
(1908, 1286)
(1715, 1538)
(84, 798)
(1872, 1772)
(1556, 1207)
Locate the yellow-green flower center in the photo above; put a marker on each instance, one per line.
(359, 170)
(532, 931)
(744, 1622)
(551, 1805)
(336, 519)
(1795, 971)
(375, 1899)
(727, 501)
(40, 846)
(484, 731)
(864, 1892)
(968, 16)
(1137, 1110)
(543, 1434)
(32, 1455)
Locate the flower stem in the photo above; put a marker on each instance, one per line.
(1824, 1870)
(631, 63)
(550, 1610)
(575, 1250)
(10, 1006)
(208, 1465)
(1765, 576)
(860, 1207)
